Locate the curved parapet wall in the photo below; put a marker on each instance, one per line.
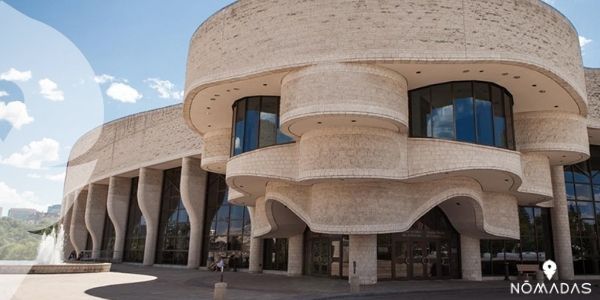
(352, 208)
(592, 79)
(561, 136)
(127, 144)
(215, 152)
(518, 44)
(343, 94)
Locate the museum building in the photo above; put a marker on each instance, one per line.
(392, 140)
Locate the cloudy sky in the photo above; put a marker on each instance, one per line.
(68, 66)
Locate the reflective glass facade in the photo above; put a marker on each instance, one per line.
(275, 254)
(256, 124)
(534, 246)
(174, 224)
(467, 111)
(135, 236)
(227, 227)
(108, 238)
(582, 182)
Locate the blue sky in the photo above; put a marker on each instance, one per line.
(67, 66)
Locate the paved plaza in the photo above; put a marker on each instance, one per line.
(136, 282)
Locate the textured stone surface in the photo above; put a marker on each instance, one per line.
(149, 194)
(363, 252)
(561, 233)
(295, 255)
(95, 215)
(117, 206)
(130, 143)
(193, 192)
(347, 91)
(78, 230)
(592, 79)
(470, 258)
(559, 135)
(216, 150)
(278, 34)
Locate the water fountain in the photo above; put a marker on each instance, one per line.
(51, 248)
(50, 259)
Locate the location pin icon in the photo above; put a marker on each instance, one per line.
(549, 268)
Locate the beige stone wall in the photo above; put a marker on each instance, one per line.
(129, 143)
(280, 35)
(561, 136)
(355, 207)
(592, 79)
(216, 150)
(374, 94)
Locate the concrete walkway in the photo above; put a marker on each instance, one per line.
(136, 282)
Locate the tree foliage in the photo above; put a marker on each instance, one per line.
(16, 243)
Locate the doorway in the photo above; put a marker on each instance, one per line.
(326, 255)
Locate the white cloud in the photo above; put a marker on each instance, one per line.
(34, 175)
(15, 75)
(10, 197)
(104, 78)
(583, 41)
(33, 155)
(49, 89)
(15, 112)
(164, 88)
(123, 92)
(3, 94)
(60, 177)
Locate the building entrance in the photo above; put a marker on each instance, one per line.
(428, 250)
(326, 255)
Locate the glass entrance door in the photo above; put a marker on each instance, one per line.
(320, 257)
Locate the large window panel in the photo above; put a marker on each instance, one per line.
(463, 110)
(467, 111)
(442, 112)
(256, 124)
(135, 236)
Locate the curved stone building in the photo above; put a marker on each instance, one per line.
(377, 139)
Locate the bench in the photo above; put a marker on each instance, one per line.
(526, 269)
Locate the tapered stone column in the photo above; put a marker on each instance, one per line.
(117, 206)
(95, 214)
(149, 194)
(470, 256)
(78, 231)
(560, 226)
(363, 252)
(256, 249)
(193, 193)
(295, 255)
(66, 222)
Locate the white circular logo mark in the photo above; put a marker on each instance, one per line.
(549, 268)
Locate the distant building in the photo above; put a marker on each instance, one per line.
(23, 214)
(53, 210)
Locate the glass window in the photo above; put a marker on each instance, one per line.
(421, 113)
(442, 112)
(174, 226)
(275, 252)
(268, 121)
(463, 110)
(534, 245)
(256, 124)
(467, 111)
(108, 239)
(135, 236)
(239, 125)
(226, 228)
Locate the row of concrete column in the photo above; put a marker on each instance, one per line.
(89, 207)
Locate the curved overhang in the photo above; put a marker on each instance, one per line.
(228, 60)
